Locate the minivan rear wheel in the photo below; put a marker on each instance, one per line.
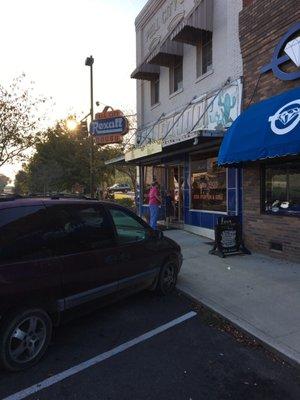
(24, 339)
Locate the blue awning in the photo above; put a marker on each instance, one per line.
(267, 129)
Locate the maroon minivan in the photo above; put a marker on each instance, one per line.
(58, 255)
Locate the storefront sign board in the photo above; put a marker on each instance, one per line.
(228, 237)
(225, 108)
(164, 20)
(147, 150)
(109, 138)
(109, 126)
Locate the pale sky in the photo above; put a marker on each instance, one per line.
(49, 41)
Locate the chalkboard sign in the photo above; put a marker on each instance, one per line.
(228, 237)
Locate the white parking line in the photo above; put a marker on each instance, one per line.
(98, 359)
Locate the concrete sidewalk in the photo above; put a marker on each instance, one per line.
(259, 294)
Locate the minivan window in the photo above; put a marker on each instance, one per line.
(22, 234)
(79, 228)
(128, 228)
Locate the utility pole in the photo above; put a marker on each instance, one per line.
(89, 62)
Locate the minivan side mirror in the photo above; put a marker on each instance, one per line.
(155, 234)
(158, 234)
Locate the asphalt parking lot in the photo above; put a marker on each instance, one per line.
(150, 347)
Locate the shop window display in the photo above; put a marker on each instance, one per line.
(282, 188)
(208, 185)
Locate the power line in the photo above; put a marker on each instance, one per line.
(180, 115)
(254, 91)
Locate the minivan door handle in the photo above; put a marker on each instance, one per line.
(111, 259)
(124, 257)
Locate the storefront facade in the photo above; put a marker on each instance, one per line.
(270, 44)
(189, 92)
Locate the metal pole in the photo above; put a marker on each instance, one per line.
(91, 136)
(92, 92)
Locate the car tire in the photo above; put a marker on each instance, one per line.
(24, 339)
(167, 278)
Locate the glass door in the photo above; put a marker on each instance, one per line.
(175, 185)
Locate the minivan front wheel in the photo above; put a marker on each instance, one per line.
(24, 339)
(167, 278)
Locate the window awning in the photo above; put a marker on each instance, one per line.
(267, 129)
(191, 28)
(147, 72)
(166, 54)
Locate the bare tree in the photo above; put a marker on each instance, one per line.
(129, 138)
(19, 120)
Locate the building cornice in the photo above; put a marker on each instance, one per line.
(147, 12)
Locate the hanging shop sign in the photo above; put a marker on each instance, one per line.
(228, 237)
(109, 126)
(288, 49)
(147, 150)
(108, 138)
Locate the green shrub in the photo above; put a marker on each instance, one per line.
(125, 202)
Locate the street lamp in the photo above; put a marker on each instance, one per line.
(89, 63)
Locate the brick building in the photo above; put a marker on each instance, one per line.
(271, 178)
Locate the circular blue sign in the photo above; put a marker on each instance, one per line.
(278, 60)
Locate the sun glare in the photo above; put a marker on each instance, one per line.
(71, 124)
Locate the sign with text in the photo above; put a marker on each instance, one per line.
(149, 149)
(109, 126)
(228, 237)
(162, 23)
(109, 138)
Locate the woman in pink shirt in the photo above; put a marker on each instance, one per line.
(154, 202)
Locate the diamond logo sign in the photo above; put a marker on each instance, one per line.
(286, 51)
(292, 49)
(286, 118)
(288, 115)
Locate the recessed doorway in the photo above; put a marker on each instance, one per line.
(175, 184)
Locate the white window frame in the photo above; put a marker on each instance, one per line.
(179, 84)
(199, 59)
(153, 94)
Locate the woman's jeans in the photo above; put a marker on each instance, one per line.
(153, 215)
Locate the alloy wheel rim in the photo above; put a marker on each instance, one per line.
(169, 277)
(27, 339)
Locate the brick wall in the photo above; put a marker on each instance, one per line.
(261, 229)
(262, 24)
(247, 2)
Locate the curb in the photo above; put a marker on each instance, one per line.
(268, 343)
